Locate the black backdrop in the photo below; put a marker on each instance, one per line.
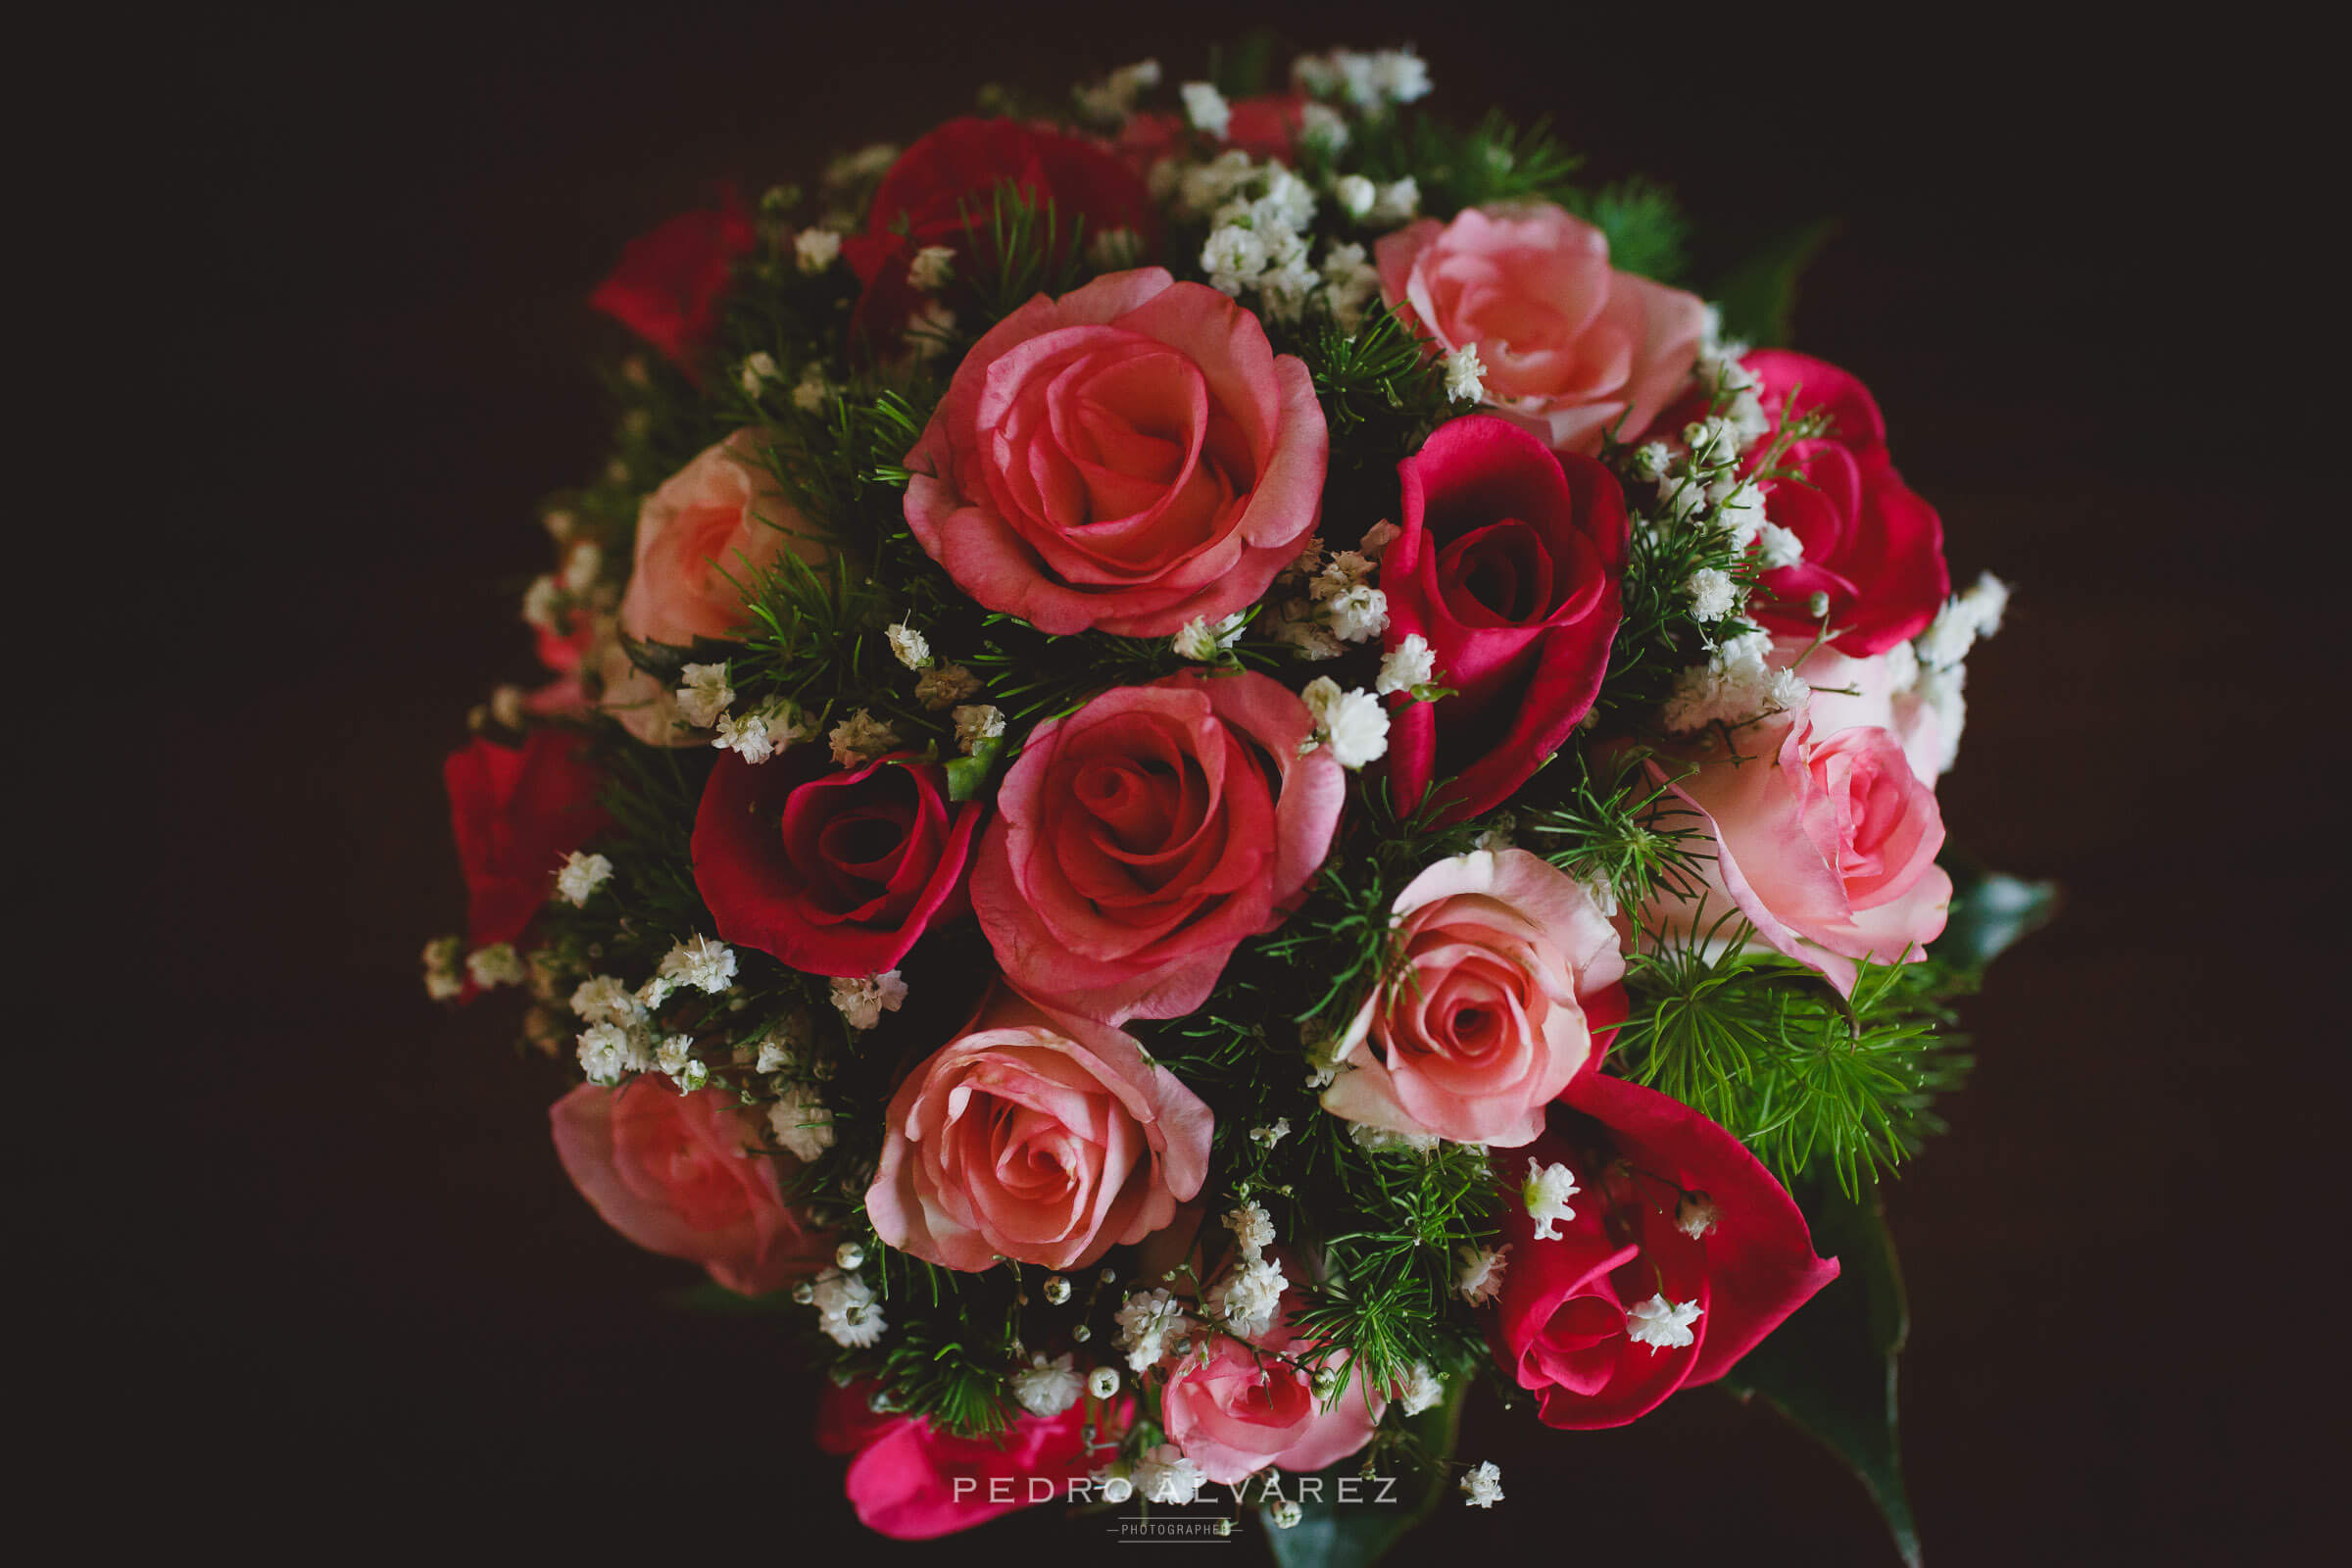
(355, 1299)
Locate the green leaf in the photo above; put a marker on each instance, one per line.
(1758, 297)
(1334, 1535)
(968, 776)
(1990, 912)
(1831, 1367)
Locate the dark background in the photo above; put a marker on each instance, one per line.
(354, 1300)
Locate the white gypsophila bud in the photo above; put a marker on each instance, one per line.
(441, 961)
(1233, 257)
(705, 695)
(1322, 129)
(815, 249)
(849, 1257)
(1423, 1390)
(758, 369)
(1104, 1382)
(1777, 547)
(801, 1123)
(1357, 616)
(1479, 1280)
(603, 999)
(580, 876)
(944, 686)
(1163, 1475)
(747, 737)
(1204, 642)
(673, 1056)
(1483, 1486)
(1284, 1513)
(1713, 594)
(1650, 461)
(1207, 109)
(930, 331)
(1289, 201)
(1271, 1134)
(775, 1056)
(1252, 1229)
(1740, 513)
(1353, 724)
(1045, 1388)
(542, 602)
(1149, 1322)
(498, 964)
(863, 1000)
(1251, 1297)
(909, 646)
(1660, 1324)
(1400, 76)
(1817, 606)
(707, 965)
(1057, 1290)
(1408, 667)
(978, 722)
(1694, 1216)
(1465, 375)
(860, 738)
(810, 393)
(933, 266)
(1546, 1194)
(603, 1052)
(1398, 201)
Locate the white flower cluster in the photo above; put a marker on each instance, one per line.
(863, 1000)
(860, 738)
(757, 737)
(1736, 684)
(800, 1122)
(496, 964)
(1205, 643)
(846, 1309)
(1694, 1216)
(1353, 724)
(705, 693)
(706, 966)
(1480, 1278)
(1151, 1324)
(1373, 83)
(1546, 1194)
(1047, 1388)
(1411, 667)
(1111, 100)
(1259, 217)
(1163, 1475)
(441, 959)
(1660, 1324)
(1423, 1389)
(1248, 1297)
(977, 722)
(1932, 669)
(1337, 607)
(1483, 1486)
(945, 685)
(580, 876)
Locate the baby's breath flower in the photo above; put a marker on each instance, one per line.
(976, 724)
(1483, 1486)
(1546, 1196)
(441, 959)
(1480, 1278)
(1465, 375)
(1660, 1324)
(498, 964)
(705, 695)
(1207, 109)
(863, 1000)
(860, 738)
(931, 268)
(580, 876)
(758, 369)
(1408, 667)
(944, 686)
(815, 249)
(1353, 724)
(800, 1122)
(1045, 1388)
(909, 646)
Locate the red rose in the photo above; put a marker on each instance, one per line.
(516, 815)
(950, 175)
(1872, 545)
(1509, 564)
(667, 285)
(833, 872)
(912, 1483)
(1597, 1321)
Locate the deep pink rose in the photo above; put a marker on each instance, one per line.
(1825, 843)
(684, 1175)
(1128, 457)
(1137, 841)
(1037, 1136)
(914, 1483)
(1236, 1412)
(517, 813)
(669, 282)
(703, 535)
(1509, 563)
(833, 871)
(1651, 1170)
(1572, 349)
(1480, 1021)
(1871, 545)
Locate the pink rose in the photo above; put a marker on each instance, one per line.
(1038, 1137)
(1244, 1407)
(701, 536)
(911, 1482)
(1884, 690)
(1140, 839)
(684, 1175)
(1480, 1021)
(1826, 844)
(1128, 457)
(1571, 348)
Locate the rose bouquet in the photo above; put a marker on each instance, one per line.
(1215, 766)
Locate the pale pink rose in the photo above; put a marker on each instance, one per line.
(1038, 1137)
(1126, 458)
(1240, 1409)
(1139, 840)
(701, 536)
(1884, 690)
(1480, 1021)
(1571, 348)
(1825, 843)
(685, 1175)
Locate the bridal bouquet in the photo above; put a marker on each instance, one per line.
(1214, 766)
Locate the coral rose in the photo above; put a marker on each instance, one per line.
(1035, 1136)
(1872, 545)
(1826, 845)
(1509, 565)
(1126, 458)
(701, 536)
(1572, 349)
(1481, 1021)
(516, 813)
(1682, 1253)
(834, 872)
(1140, 839)
(684, 1175)
(1238, 1409)
(668, 284)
